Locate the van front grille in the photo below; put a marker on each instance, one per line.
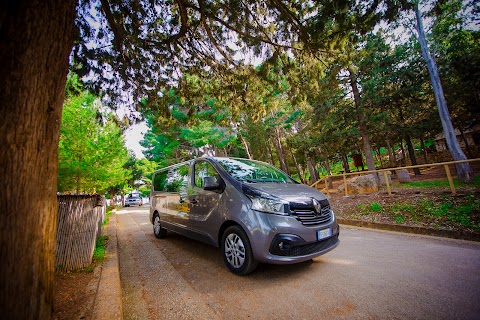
(307, 215)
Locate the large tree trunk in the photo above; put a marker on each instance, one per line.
(362, 122)
(464, 170)
(36, 38)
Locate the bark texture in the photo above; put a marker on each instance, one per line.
(36, 38)
(464, 170)
(362, 122)
(411, 154)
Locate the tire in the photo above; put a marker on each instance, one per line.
(237, 251)
(158, 231)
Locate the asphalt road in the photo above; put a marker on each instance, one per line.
(370, 275)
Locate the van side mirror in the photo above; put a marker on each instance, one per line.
(213, 184)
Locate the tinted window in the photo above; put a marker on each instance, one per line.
(203, 169)
(159, 181)
(173, 180)
(177, 179)
(245, 170)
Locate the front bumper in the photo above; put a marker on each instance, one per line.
(284, 240)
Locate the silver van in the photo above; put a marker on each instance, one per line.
(251, 210)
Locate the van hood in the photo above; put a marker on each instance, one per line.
(289, 192)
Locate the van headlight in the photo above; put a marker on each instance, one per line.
(262, 201)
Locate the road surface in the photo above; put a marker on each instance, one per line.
(370, 275)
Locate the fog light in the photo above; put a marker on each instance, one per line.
(283, 243)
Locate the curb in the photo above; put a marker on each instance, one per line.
(108, 301)
(415, 230)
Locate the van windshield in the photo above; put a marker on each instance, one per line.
(244, 170)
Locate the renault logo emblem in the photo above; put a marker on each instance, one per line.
(317, 206)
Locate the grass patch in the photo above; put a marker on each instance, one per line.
(105, 221)
(452, 211)
(440, 183)
(369, 208)
(375, 207)
(99, 252)
(399, 219)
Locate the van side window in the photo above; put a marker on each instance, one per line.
(177, 180)
(160, 181)
(203, 169)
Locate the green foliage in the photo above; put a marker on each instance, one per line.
(292, 108)
(92, 152)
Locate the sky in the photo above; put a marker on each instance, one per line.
(133, 136)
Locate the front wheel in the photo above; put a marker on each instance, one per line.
(237, 251)
(158, 231)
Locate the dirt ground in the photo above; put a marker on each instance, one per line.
(75, 291)
(75, 294)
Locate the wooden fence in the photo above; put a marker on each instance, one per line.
(79, 225)
(383, 172)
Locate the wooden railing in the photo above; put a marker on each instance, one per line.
(79, 225)
(385, 175)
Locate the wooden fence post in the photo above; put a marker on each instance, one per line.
(345, 184)
(387, 183)
(450, 180)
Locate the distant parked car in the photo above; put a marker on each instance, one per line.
(133, 199)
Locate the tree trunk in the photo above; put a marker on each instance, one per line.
(464, 170)
(329, 173)
(424, 150)
(391, 155)
(245, 144)
(311, 169)
(346, 167)
(403, 161)
(270, 153)
(244, 141)
(362, 122)
(112, 197)
(281, 155)
(299, 169)
(36, 38)
(464, 138)
(411, 153)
